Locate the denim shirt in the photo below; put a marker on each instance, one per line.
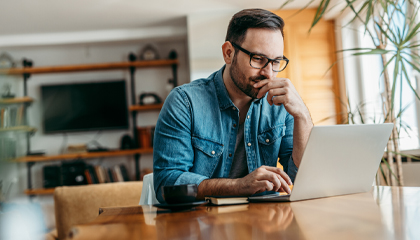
(195, 135)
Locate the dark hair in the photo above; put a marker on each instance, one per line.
(252, 18)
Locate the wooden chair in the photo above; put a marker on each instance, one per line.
(80, 204)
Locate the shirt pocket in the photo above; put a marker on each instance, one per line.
(269, 143)
(206, 156)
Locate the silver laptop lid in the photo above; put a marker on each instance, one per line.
(340, 159)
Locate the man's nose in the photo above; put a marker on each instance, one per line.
(267, 71)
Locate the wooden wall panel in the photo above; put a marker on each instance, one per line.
(311, 55)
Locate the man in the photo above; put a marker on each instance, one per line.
(225, 133)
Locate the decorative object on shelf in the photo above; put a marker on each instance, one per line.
(173, 54)
(7, 87)
(77, 148)
(6, 61)
(127, 142)
(36, 153)
(149, 98)
(7, 148)
(27, 62)
(73, 173)
(51, 176)
(132, 57)
(145, 137)
(149, 53)
(9, 116)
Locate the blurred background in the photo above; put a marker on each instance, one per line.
(181, 41)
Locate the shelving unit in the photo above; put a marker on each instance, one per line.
(40, 191)
(19, 128)
(16, 100)
(131, 65)
(90, 67)
(84, 155)
(138, 108)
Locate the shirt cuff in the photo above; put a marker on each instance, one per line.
(292, 169)
(190, 178)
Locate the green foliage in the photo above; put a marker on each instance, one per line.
(394, 29)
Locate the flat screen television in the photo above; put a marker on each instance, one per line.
(84, 107)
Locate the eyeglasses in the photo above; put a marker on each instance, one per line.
(259, 61)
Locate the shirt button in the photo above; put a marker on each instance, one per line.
(213, 152)
(248, 116)
(230, 154)
(267, 140)
(234, 125)
(233, 108)
(249, 144)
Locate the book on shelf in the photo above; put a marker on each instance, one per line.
(226, 200)
(88, 177)
(111, 175)
(12, 116)
(124, 173)
(104, 174)
(2, 117)
(99, 174)
(92, 174)
(118, 174)
(114, 174)
(20, 116)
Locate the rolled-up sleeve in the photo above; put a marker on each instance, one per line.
(173, 154)
(286, 149)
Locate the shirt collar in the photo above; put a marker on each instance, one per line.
(222, 93)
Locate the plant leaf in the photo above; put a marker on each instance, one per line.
(373, 51)
(320, 12)
(409, 82)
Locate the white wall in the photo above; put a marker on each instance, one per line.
(147, 80)
(206, 34)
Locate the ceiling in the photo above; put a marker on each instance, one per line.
(19, 17)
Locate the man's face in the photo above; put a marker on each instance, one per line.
(261, 41)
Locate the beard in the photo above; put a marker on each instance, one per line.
(240, 80)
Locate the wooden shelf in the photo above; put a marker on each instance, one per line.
(139, 108)
(71, 156)
(90, 67)
(41, 191)
(18, 128)
(15, 100)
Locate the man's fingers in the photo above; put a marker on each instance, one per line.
(278, 100)
(266, 88)
(280, 172)
(266, 85)
(271, 177)
(274, 92)
(264, 185)
(285, 186)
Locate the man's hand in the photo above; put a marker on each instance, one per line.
(281, 91)
(263, 179)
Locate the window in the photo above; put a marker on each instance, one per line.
(365, 85)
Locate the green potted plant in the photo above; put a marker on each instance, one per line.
(397, 45)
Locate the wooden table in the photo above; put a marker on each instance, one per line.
(383, 213)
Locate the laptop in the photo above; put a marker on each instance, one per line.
(338, 160)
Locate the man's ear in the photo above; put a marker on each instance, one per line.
(228, 52)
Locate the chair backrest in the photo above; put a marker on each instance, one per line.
(80, 204)
(148, 195)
